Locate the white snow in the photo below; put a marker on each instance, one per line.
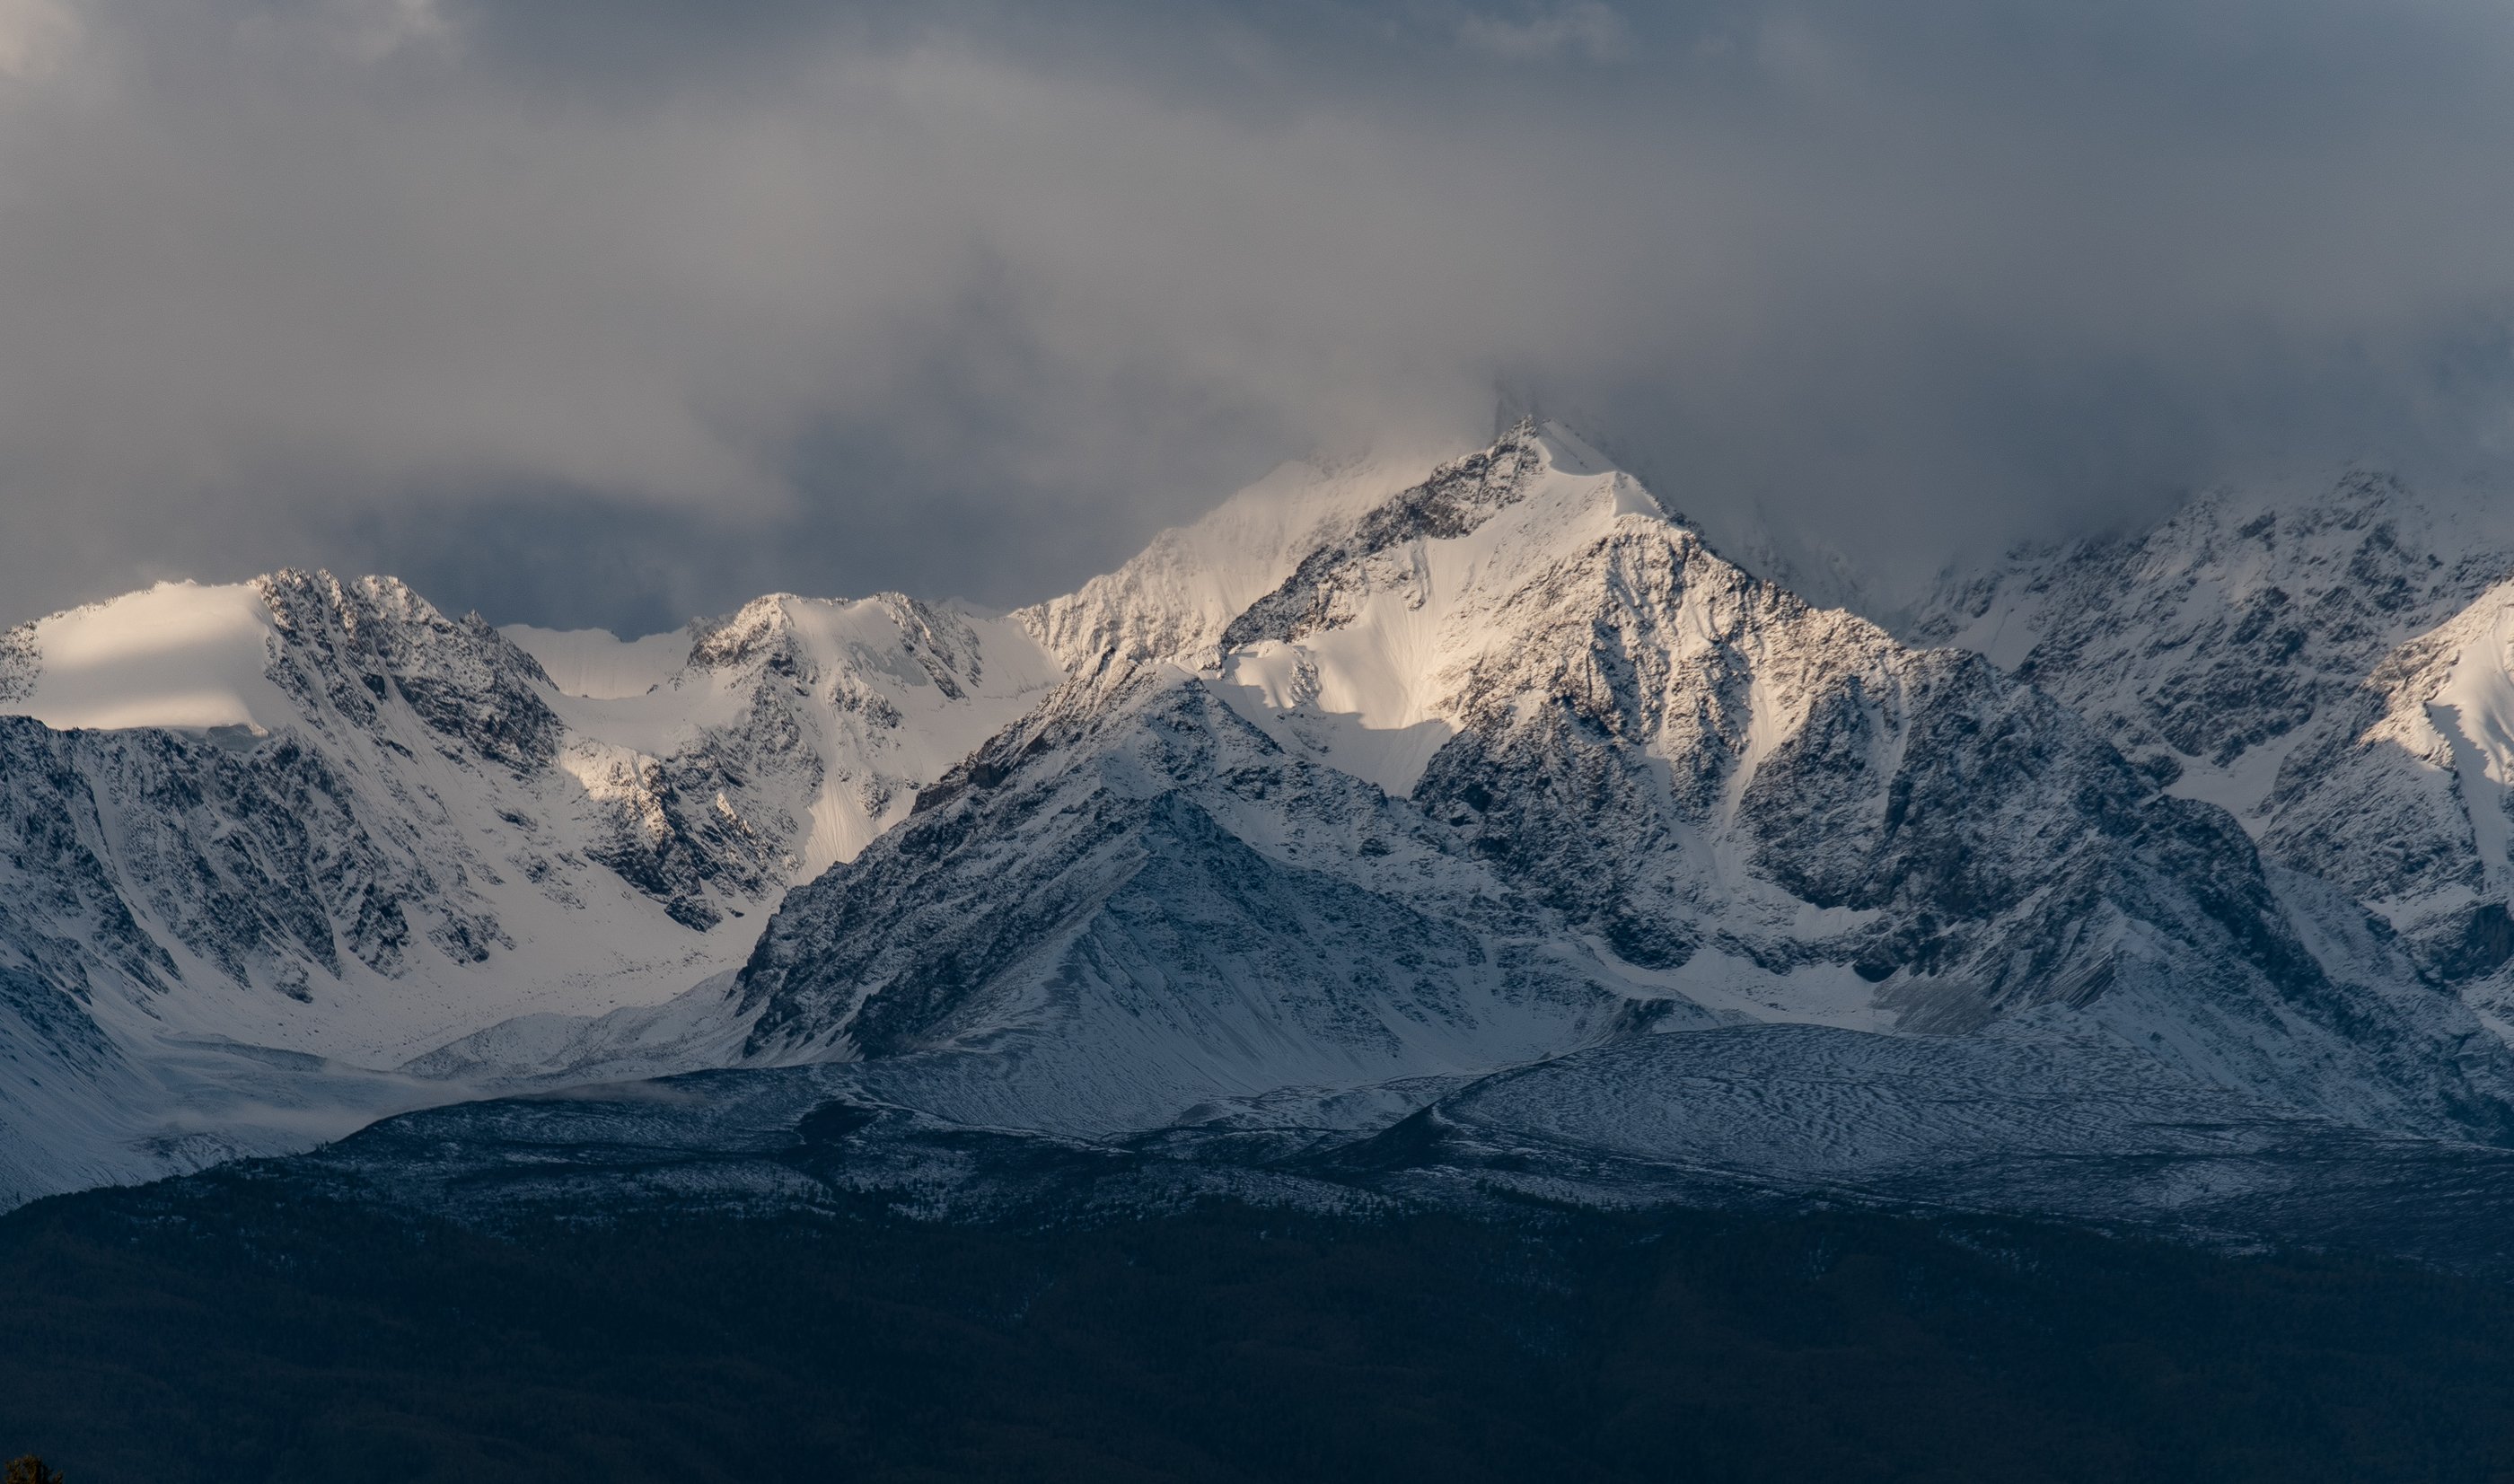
(2242, 786)
(831, 714)
(177, 655)
(2475, 713)
(1374, 695)
(823, 717)
(2004, 632)
(183, 655)
(855, 664)
(1174, 599)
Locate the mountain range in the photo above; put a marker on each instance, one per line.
(1413, 829)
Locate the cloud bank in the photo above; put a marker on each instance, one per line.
(613, 314)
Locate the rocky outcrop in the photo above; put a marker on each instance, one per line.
(317, 818)
(1516, 707)
(2329, 667)
(1363, 787)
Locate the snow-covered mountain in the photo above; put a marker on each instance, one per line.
(1384, 777)
(1510, 762)
(2333, 665)
(268, 841)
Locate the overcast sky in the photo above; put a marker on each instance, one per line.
(616, 311)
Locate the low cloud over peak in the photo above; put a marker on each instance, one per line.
(613, 314)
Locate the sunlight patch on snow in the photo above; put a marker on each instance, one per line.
(177, 655)
(2479, 700)
(1372, 695)
(1173, 600)
(885, 726)
(1632, 500)
(1391, 758)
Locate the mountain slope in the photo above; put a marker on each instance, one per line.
(1518, 694)
(2333, 668)
(1174, 599)
(1369, 784)
(325, 827)
(1160, 906)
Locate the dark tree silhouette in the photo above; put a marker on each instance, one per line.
(30, 1469)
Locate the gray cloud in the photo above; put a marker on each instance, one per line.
(615, 312)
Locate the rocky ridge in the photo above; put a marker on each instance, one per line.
(2332, 667)
(1372, 785)
(325, 826)
(1517, 696)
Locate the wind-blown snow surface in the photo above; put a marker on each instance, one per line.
(1510, 761)
(2332, 665)
(270, 840)
(1375, 784)
(1175, 598)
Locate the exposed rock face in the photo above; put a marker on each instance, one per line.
(1366, 785)
(1517, 696)
(2230, 623)
(2334, 670)
(1146, 903)
(460, 678)
(323, 818)
(1175, 598)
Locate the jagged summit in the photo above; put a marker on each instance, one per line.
(1549, 706)
(321, 817)
(1382, 775)
(242, 654)
(1173, 599)
(852, 704)
(2328, 664)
